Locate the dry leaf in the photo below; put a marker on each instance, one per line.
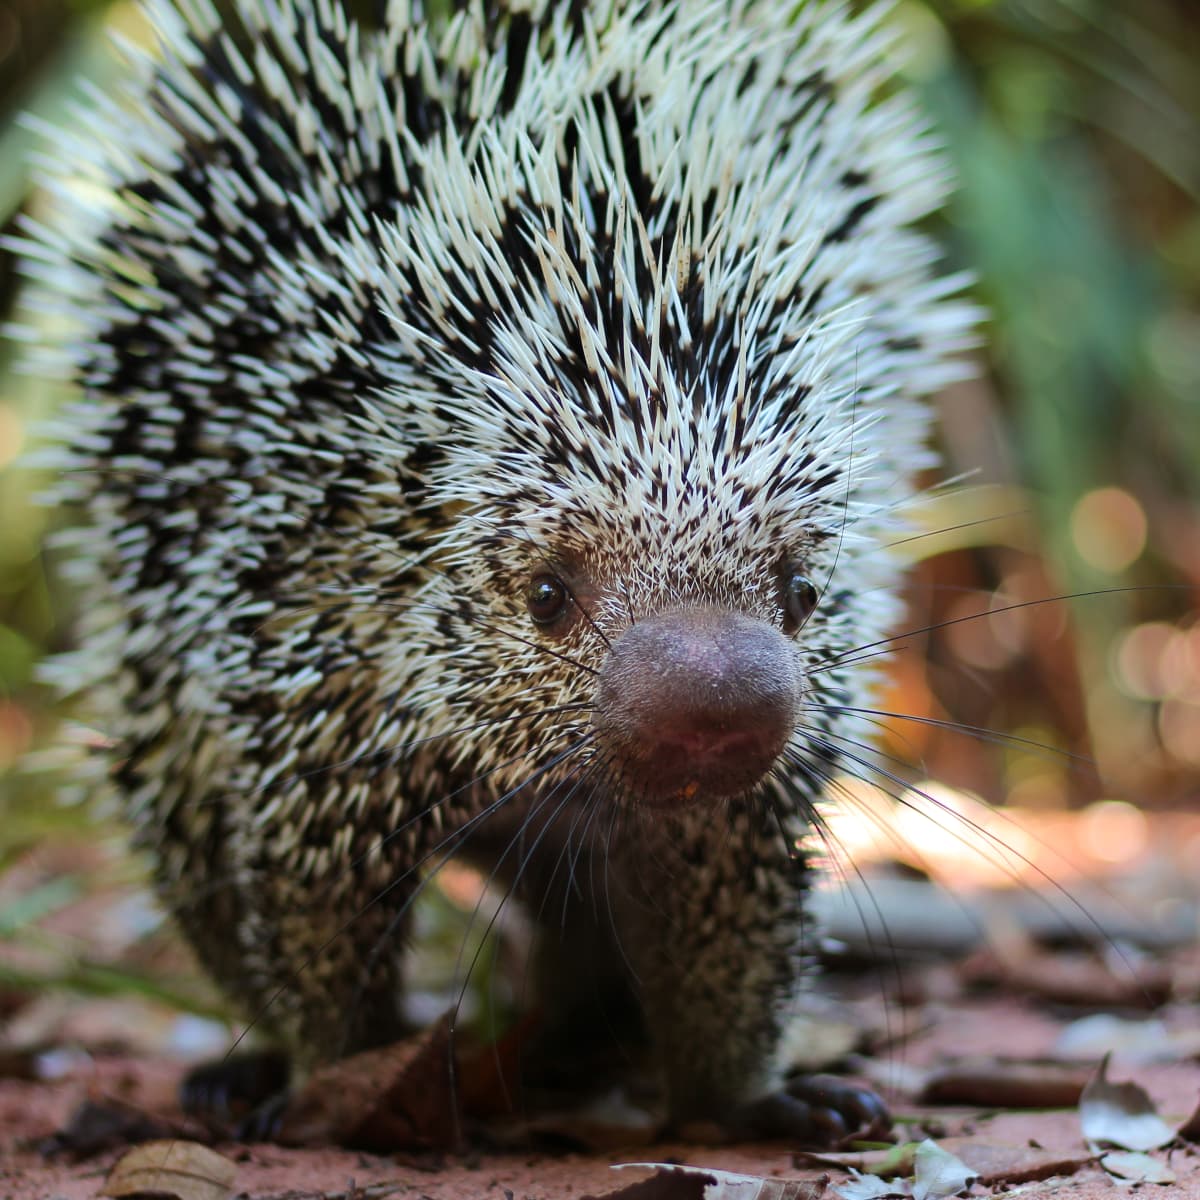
(1121, 1114)
(1069, 978)
(993, 1164)
(1004, 1085)
(1138, 1168)
(485, 1073)
(678, 1182)
(893, 1160)
(1130, 1042)
(997, 1164)
(106, 1123)
(1190, 1129)
(171, 1170)
(937, 1173)
(397, 1097)
(871, 1187)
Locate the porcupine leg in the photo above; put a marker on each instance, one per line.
(716, 926)
(586, 1019)
(319, 968)
(590, 1025)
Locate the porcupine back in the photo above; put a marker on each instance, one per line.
(373, 328)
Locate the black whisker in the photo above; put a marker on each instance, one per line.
(988, 838)
(942, 529)
(982, 734)
(858, 654)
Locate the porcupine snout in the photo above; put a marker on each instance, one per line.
(696, 703)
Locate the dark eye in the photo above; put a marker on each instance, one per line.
(800, 597)
(547, 599)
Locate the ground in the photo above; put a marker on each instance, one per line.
(982, 1044)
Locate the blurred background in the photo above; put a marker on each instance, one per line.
(1055, 665)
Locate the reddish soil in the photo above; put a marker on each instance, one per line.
(1009, 999)
(30, 1111)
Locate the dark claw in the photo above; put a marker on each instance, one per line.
(246, 1093)
(861, 1110)
(263, 1123)
(816, 1111)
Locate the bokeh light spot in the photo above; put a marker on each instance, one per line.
(1179, 665)
(1179, 728)
(972, 637)
(1108, 528)
(1113, 830)
(1139, 660)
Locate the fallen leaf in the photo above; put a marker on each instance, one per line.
(1067, 978)
(871, 1187)
(397, 1097)
(1126, 1041)
(672, 1181)
(1004, 1085)
(485, 1073)
(104, 1123)
(887, 1162)
(171, 1170)
(938, 1173)
(1190, 1129)
(1121, 1114)
(935, 1170)
(997, 1164)
(1139, 1168)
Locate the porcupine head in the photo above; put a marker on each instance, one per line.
(489, 438)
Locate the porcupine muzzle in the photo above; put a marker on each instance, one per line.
(696, 704)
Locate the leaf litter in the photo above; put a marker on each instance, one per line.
(1121, 1115)
(936, 1175)
(171, 1170)
(1137, 1168)
(678, 1181)
(397, 1096)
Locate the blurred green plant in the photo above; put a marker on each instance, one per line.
(1072, 125)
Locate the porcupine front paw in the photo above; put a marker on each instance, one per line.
(246, 1093)
(818, 1111)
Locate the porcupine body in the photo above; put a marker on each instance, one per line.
(489, 435)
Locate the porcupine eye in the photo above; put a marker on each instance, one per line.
(546, 598)
(800, 597)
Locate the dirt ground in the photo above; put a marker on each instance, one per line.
(1037, 1152)
(981, 1029)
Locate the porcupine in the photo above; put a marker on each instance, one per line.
(489, 435)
